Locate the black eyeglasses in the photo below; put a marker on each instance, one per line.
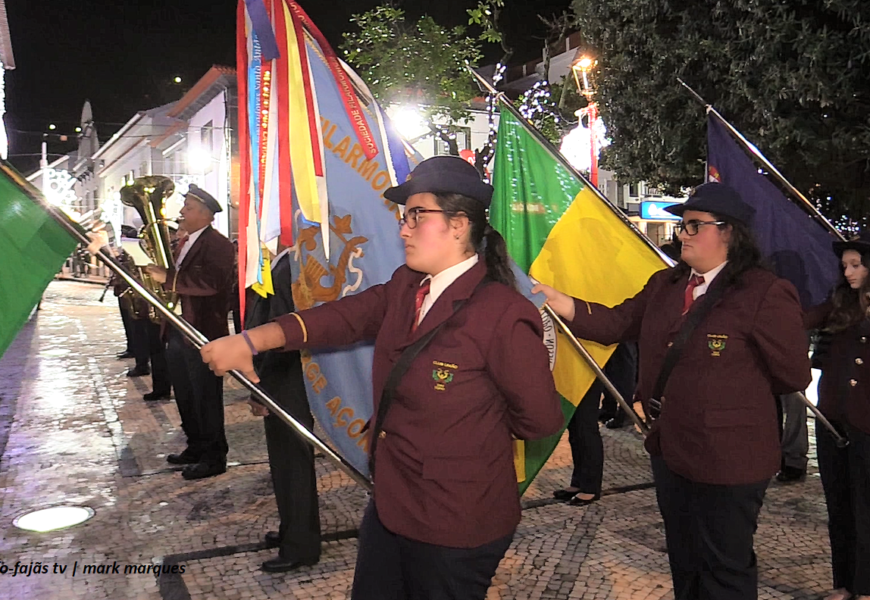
(692, 227)
(412, 216)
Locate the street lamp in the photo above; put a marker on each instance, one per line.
(410, 123)
(582, 69)
(199, 159)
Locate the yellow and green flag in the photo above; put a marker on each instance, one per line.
(33, 247)
(563, 234)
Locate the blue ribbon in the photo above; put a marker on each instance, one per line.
(263, 28)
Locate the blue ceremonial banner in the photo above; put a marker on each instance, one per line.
(365, 249)
(797, 247)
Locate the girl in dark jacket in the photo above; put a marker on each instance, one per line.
(844, 398)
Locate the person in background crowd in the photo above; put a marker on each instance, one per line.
(161, 386)
(621, 369)
(118, 287)
(844, 399)
(473, 373)
(671, 250)
(587, 450)
(291, 459)
(715, 438)
(795, 439)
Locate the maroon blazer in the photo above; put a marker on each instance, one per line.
(205, 282)
(844, 388)
(445, 472)
(719, 421)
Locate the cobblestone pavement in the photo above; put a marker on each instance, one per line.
(75, 430)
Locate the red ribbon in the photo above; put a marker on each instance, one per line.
(351, 103)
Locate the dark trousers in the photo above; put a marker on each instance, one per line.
(795, 434)
(291, 462)
(148, 348)
(127, 320)
(621, 369)
(200, 399)
(139, 344)
(709, 531)
(846, 480)
(587, 451)
(393, 567)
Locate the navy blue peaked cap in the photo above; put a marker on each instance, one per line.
(716, 198)
(442, 175)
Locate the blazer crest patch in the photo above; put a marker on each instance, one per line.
(716, 343)
(442, 374)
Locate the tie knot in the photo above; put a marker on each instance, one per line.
(423, 290)
(696, 280)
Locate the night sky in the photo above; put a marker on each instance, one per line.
(123, 55)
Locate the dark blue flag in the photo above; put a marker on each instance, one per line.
(795, 245)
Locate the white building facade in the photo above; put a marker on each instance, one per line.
(189, 141)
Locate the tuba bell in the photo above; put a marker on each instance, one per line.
(148, 196)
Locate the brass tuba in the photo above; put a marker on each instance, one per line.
(148, 196)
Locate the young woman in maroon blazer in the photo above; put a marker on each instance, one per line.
(844, 398)
(715, 444)
(445, 505)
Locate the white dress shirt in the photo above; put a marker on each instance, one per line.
(191, 239)
(441, 281)
(709, 276)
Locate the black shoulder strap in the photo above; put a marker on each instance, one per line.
(398, 371)
(693, 319)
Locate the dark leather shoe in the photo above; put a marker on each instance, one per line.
(605, 415)
(125, 355)
(138, 372)
(284, 565)
(185, 458)
(575, 501)
(201, 470)
(790, 474)
(273, 539)
(565, 495)
(155, 395)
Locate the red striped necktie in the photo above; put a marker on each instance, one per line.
(179, 246)
(689, 298)
(422, 292)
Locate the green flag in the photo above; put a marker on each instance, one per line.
(532, 190)
(560, 231)
(33, 247)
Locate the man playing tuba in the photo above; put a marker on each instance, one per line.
(202, 276)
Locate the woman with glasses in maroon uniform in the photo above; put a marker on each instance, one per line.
(719, 337)
(446, 502)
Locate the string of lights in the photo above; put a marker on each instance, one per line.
(488, 151)
(537, 101)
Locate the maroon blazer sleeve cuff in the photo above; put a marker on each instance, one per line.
(295, 331)
(588, 327)
(582, 312)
